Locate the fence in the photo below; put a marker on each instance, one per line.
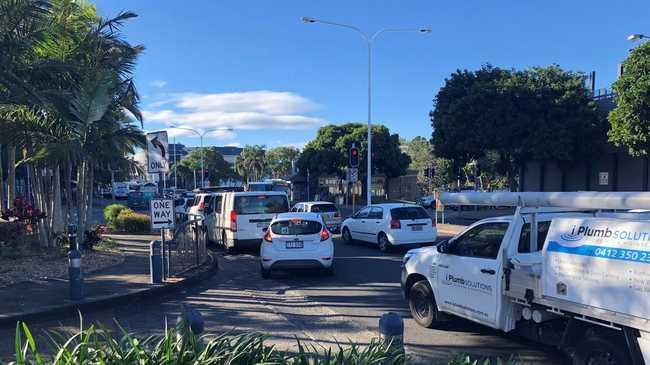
(187, 247)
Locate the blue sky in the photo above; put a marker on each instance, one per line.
(253, 66)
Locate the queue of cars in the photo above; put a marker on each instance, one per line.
(301, 236)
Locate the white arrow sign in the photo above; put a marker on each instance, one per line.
(162, 213)
(157, 152)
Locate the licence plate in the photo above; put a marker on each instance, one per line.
(262, 224)
(295, 244)
(416, 228)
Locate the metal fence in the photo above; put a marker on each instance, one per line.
(187, 247)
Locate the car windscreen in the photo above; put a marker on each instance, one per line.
(409, 213)
(295, 227)
(261, 204)
(324, 208)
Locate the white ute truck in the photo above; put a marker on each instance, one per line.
(570, 270)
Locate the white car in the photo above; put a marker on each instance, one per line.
(428, 201)
(390, 225)
(329, 212)
(296, 240)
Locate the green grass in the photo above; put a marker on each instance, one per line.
(179, 346)
(107, 245)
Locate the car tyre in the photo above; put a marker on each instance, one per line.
(422, 304)
(384, 243)
(347, 237)
(599, 350)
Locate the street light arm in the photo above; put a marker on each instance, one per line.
(187, 129)
(362, 33)
(395, 30)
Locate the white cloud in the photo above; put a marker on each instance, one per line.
(158, 83)
(241, 110)
(183, 131)
(234, 144)
(298, 145)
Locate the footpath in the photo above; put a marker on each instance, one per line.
(48, 298)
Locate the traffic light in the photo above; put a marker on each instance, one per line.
(205, 171)
(354, 157)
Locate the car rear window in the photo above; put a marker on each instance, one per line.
(295, 227)
(409, 213)
(323, 208)
(261, 204)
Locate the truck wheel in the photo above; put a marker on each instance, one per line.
(347, 237)
(384, 243)
(597, 350)
(422, 304)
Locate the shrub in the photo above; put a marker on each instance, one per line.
(132, 222)
(112, 211)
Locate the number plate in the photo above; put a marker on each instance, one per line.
(416, 228)
(295, 244)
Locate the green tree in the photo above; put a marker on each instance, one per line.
(251, 163)
(218, 168)
(630, 119)
(540, 113)
(328, 153)
(279, 161)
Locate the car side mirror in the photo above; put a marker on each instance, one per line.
(265, 229)
(444, 246)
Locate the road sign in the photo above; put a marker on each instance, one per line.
(354, 175)
(157, 152)
(162, 213)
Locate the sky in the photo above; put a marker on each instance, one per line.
(254, 67)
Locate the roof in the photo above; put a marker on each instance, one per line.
(249, 193)
(301, 215)
(229, 150)
(315, 202)
(394, 205)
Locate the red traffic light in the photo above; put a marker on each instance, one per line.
(354, 157)
(205, 171)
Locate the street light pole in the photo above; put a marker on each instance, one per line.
(369, 41)
(201, 138)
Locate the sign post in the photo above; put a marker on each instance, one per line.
(162, 217)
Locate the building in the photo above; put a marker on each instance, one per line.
(611, 170)
(177, 152)
(229, 153)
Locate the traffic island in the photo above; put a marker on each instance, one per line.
(118, 284)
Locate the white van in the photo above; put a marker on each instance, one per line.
(241, 217)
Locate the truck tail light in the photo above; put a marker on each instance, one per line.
(201, 206)
(233, 221)
(395, 224)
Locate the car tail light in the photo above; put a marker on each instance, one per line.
(395, 224)
(337, 214)
(233, 221)
(201, 206)
(324, 234)
(267, 237)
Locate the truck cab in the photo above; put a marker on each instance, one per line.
(497, 272)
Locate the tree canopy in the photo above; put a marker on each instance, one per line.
(539, 113)
(218, 168)
(279, 160)
(328, 153)
(630, 119)
(251, 163)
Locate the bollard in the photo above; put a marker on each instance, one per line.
(155, 262)
(190, 320)
(75, 275)
(391, 330)
(72, 237)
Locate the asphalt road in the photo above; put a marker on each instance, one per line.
(308, 306)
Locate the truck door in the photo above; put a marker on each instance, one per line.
(468, 273)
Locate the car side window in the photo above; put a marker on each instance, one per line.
(376, 213)
(524, 237)
(363, 213)
(217, 204)
(483, 241)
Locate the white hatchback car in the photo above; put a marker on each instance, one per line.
(297, 240)
(390, 225)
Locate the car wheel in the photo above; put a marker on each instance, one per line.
(596, 350)
(422, 304)
(266, 273)
(384, 243)
(347, 237)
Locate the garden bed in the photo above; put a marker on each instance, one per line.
(40, 265)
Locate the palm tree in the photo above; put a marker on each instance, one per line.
(251, 163)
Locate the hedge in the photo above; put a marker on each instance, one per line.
(132, 222)
(112, 211)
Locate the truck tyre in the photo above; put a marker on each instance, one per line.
(422, 304)
(596, 350)
(347, 237)
(384, 243)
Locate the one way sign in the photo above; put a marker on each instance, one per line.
(162, 213)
